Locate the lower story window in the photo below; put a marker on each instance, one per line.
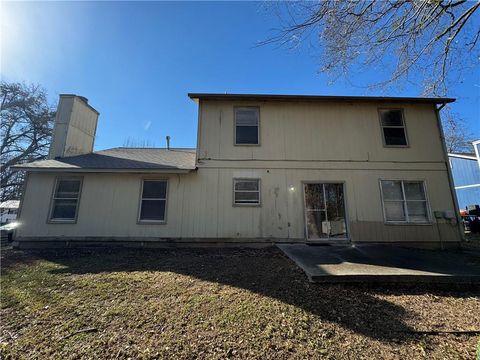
(246, 192)
(66, 196)
(153, 201)
(404, 201)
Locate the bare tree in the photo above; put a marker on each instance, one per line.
(25, 129)
(431, 39)
(458, 138)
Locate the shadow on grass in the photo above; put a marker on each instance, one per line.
(9, 258)
(265, 272)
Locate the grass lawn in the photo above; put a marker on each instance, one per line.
(215, 304)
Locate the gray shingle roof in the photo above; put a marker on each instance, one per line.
(118, 159)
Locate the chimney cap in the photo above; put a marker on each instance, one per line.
(82, 98)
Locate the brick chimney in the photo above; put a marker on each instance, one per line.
(75, 127)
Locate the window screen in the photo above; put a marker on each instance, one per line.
(404, 201)
(153, 201)
(65, 199)
(246, 126)
(246, 191)
(393, 127)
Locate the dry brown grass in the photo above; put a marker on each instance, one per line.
(213, 304)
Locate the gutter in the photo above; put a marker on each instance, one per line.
(82, 170)
(325, 98)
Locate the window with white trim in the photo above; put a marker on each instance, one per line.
(66, 196)
(404, 201)
(247, 130)
(393, 127)
(154, 201)
(246, 191)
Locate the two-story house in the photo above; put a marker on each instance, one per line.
(267, 168)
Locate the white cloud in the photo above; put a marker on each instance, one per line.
(147, 125)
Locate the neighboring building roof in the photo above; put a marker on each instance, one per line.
(270, 97)
(10, 204)
(120, 159)
(469, 156)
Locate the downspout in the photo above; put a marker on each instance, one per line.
(199, 129)
(449, 172)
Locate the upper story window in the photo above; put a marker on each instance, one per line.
(153, 202)
(404, 201)
(393, 127)
(66, 196)
(246, 192)
(247, 126)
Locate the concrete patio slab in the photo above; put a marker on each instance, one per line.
(384, 264)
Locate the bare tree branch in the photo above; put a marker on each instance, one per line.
(458, 138)
(411, 37)
(26, 129)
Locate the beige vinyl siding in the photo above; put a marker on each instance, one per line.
(319, 131)
(200, 206)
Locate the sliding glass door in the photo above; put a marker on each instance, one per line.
(325, 211)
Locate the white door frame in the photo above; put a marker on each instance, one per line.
(327, 239)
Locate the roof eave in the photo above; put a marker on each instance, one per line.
(85, 170)
(317, 98)
(460, 156)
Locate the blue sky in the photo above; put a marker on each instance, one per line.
(136, 62)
